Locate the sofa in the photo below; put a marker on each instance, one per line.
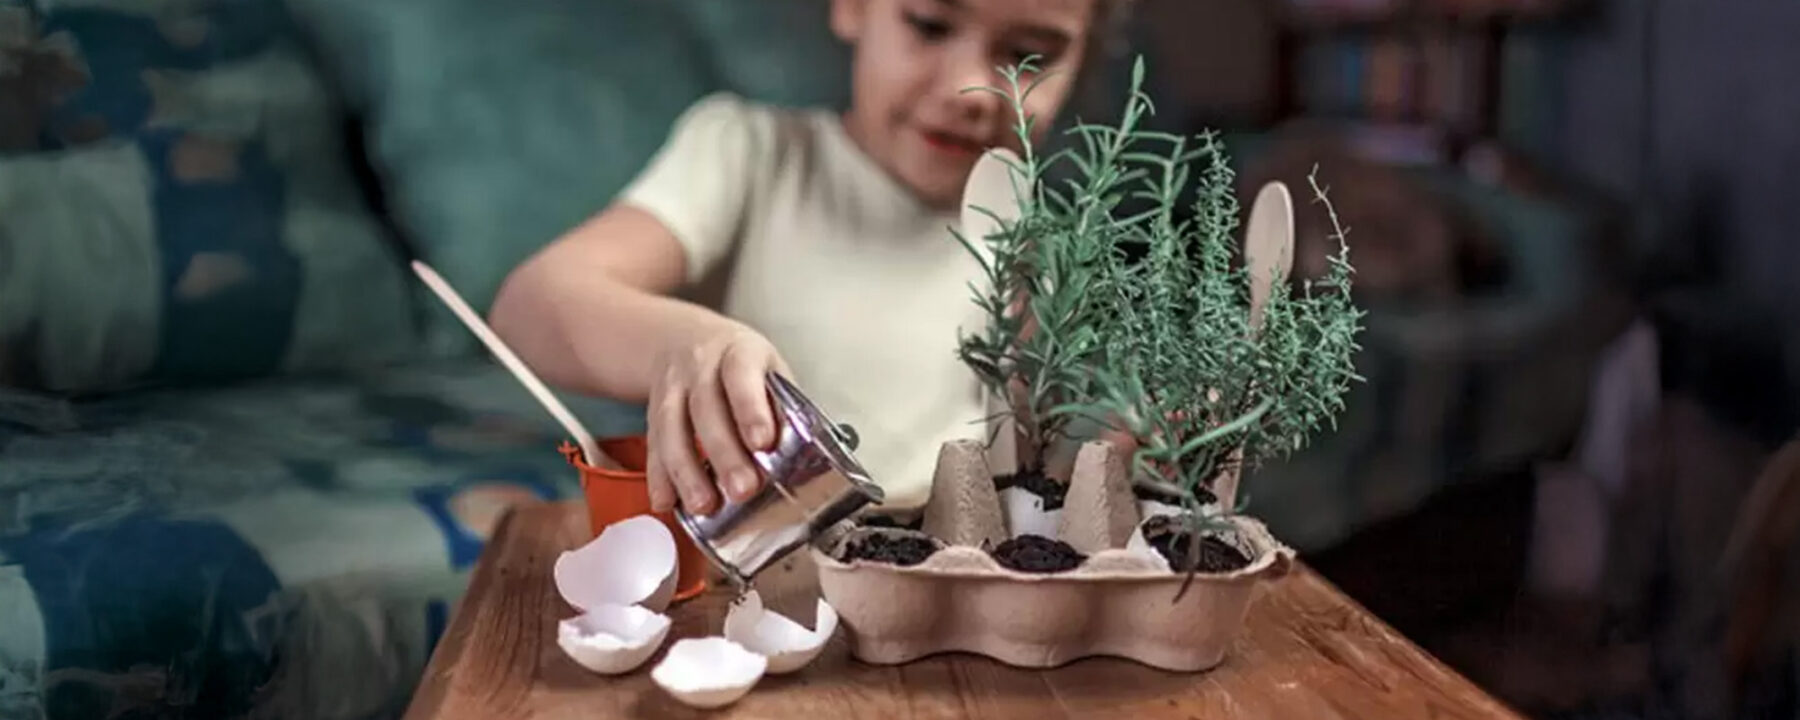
(246, 463)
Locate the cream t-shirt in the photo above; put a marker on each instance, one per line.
(859, 285)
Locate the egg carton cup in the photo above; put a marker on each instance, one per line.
(1123, 601)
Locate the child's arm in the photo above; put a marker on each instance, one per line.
(591, 313)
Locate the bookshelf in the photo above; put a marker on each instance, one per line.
(1418, 81)
(1337, 14)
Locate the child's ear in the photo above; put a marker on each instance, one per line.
(848, 18)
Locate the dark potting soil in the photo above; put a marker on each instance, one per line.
(1214, 556)
(1034, 481)
(889, 521)
(1037, 554)
(902, 551)
(1205, 496)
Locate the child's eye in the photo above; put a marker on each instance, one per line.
(1038, 57)
(931, 29)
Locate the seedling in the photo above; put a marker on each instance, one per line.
(1042, 330)
(1143, 321)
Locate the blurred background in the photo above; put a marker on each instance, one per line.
(243, 457)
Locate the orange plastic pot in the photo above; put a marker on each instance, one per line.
(616, 495)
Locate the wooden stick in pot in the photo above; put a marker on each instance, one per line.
(590, 450)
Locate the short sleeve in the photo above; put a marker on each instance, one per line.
(699, 183)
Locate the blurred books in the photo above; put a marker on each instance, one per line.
(1421, 78)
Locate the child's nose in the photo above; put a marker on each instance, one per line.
(967, 70)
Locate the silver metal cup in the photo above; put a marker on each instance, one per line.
(810, 483)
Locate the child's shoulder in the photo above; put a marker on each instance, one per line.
(725, 103)
(730, 113)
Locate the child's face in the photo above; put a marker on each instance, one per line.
(915, 58)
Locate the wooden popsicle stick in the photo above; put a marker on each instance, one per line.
(1268, 258)
(1268, 246)
(994, 186)
(590, 450)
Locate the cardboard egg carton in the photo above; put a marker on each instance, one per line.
(1120, 602)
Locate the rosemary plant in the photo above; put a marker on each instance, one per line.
(1181, 368)
(1141, 319)
(1043, 327)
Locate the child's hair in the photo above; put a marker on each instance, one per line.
(1112, 20)
(1109, 40)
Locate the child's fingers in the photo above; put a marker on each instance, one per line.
(672, 447)
(719, 435)
(743, 374)
(656, 480)
(662, 493)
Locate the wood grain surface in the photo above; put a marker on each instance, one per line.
(1309, 652)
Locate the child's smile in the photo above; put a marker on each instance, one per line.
(953, 145)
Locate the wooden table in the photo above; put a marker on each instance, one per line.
(1309, 653)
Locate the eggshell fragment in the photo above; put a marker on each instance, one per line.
(708, 673)
(632, 562)
(1141, 545)
(788, 645)
(1025, 514)
(612, 639)
(1151, 508)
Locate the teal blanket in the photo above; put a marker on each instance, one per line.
(291, 549)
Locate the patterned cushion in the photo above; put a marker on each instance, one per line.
(176, 203)
(292, 545)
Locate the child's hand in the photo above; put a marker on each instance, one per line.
(713, 390)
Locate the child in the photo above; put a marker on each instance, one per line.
(833, 233)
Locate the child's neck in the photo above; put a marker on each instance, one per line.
(860, 142)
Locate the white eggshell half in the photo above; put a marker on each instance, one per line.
(632, 562)
(788, 645)
(1151, 508)
(1141, 545)
(665, 593)
(612, 639)
(709, 672)
(1025, 514)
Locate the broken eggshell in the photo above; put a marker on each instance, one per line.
(708, 672)
(632, 562)
(1152, 508)
(612, 639)
(1025, 513)
(788, 645)
(1140, 544)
